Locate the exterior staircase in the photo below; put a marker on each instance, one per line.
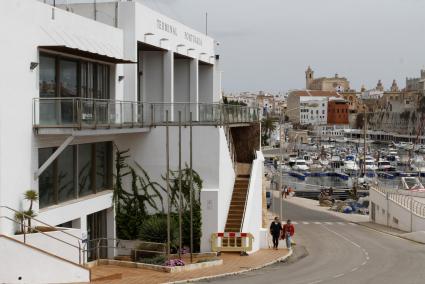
(237, 204)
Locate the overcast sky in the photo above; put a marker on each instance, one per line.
(268, 44)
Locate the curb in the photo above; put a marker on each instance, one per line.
(283, 258)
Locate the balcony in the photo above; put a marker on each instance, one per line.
(62, 115)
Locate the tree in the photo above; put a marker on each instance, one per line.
(267, 127)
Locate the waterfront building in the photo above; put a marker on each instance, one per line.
(85, 83)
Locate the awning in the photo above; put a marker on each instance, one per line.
(83, 53)
(63, 40)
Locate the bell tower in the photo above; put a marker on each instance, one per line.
(309, 77)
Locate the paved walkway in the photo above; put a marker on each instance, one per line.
(232, 263)
(314, 205)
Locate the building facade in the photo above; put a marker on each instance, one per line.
(329, 84)
(92, 85)
(338, 111)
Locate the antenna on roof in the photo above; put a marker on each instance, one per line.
(206, 23)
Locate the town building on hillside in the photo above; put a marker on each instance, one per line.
(336, 83)
(295, 98)
(337, 111)
(416, 84)
(313, 110)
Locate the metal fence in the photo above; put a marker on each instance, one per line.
(83, 113)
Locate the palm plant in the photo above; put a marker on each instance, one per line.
(31, 196)
(267, 127)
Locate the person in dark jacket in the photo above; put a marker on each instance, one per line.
(275, 231)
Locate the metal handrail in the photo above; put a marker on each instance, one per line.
(41, 222)
(80, 249)
(79, 112)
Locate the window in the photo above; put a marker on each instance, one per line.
(65, 179)
(64, 77)
(323, 111)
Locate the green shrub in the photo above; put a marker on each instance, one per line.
(154, 229)
(157, 260)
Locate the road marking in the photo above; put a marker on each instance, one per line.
(339, 235)
(295, 223)
(306, 223)
(341, 223)
(317, 223)
(353, 224)
(364, 262)
(339, 275)
(354, 269)
(329, 223)
(315, 282)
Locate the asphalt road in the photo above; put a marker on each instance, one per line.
(330, 250)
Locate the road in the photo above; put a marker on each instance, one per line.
(331, 250)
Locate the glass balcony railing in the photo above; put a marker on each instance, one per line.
(82, 113)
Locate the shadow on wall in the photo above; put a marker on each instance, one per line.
(246, 140)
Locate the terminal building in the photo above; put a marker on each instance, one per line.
(81, 82)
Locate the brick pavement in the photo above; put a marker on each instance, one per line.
(232, 263)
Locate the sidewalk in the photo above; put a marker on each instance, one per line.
(233, 263)
(314, 205)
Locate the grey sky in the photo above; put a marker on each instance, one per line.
(267, 44)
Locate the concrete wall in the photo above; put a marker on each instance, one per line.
(22, 264)
(393, 214)
(68, 250)
(36, 24)
(253, 219)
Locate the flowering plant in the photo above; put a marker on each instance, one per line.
(174, 262)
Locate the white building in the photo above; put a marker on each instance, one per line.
(73, 88)
(313, 110)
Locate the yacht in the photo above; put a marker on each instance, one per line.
(300, 165)
(350, 164)
(384, 165)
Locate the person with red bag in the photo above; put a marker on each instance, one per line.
(288, 232)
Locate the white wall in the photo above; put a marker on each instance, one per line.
(407, 221)
(54, 244)
(34, 266)
(227, 181)
(181, 80)
(206, 83)
(152, 81)
(253, 219)
(25, 26)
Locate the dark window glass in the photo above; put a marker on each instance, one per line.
(47, 81)
(46, 181)
(66, 176)
(85, 169)
(68, 78)
(103, 156)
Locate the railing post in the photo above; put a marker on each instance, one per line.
(152, 115)
(132, 115)
(122, 114)
(142, 115)
(79, 112)
(94, 113)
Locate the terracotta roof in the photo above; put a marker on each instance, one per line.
(313, 93)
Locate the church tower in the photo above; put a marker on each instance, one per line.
(309, 77)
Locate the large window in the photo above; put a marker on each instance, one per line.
(79, 170)
(65, 77)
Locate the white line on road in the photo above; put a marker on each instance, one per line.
(317, 223)
(315, 282)
(354, 269)
(353, 224)
(341, 223)
(306, 223)
(339, 235)
(364, 262)
(329, 223)
(295, 223)
(339, 275)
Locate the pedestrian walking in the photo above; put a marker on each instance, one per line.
(288, 232)
(285, 191)
(275, 231)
